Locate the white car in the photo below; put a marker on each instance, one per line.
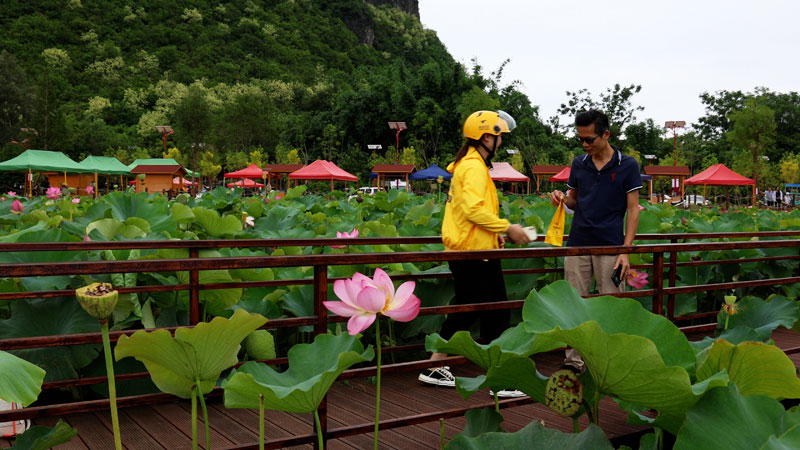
(368, 190)
(692, 199)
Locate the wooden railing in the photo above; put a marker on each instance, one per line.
(663, 286)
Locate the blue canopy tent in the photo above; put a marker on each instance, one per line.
(431, 173)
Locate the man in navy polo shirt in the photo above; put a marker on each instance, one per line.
(603, 191)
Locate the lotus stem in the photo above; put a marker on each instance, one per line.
(660, 438)
(589, 411)
(391, 339)
(194, 421)
(378, 383)
(320, 444)
(596, 407)
(496, 403)
(441, 434)
(260, 421)
(576, 428)
(112, 388)
(205, 415)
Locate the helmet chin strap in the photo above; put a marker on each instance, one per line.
(491, 151)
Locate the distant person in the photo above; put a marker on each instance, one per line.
(472, 222)
(603, 191)
(778, 198)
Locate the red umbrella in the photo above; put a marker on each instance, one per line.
(245, 183)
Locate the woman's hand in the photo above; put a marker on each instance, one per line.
(556, 197)
(517, 234)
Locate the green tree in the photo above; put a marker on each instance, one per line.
(257, 157)
(790, 168)
(175, 154)
(614, 102)
(235, 160)
(209, 164)
(16, 98)
(193, 117)
(753, 132)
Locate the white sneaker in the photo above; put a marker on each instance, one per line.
(508, 393)
(438, 376)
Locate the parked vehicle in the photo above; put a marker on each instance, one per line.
(691, 199)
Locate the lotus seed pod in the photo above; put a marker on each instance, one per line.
(98, 299)
(564, 393)
(260, 344)
(730, 299)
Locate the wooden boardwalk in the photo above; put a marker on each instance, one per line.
(350, 402)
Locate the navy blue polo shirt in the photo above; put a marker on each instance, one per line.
(602, 199)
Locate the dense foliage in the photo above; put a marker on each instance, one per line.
(285, 81)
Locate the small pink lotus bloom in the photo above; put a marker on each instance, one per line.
(53, 193)
(86, 238)
(76, 200)
(363, 298)
(17, 207)
(2, 199)
(637, 279)
(89, 190)
(641, 208)
(11, 194)
(249, 221)
(683, 220)
(345, 235)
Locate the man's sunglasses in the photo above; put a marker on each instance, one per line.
(587, 140)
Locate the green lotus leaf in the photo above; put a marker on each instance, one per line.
(517, 372)
(558, 306)
(194, 355)
(50, 317)
(312, 370)
(534, 437)
(215, 225)
(125, 206)
(762, 316)
(46, 235)
(20, 381)
(110, 228)
(43, 438)
(724, 418)
(513, 342)
(181, 213)
(755, 367)
(14, 237)
(479, 421)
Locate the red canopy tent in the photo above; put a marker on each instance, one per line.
(251, 171)
(322, 170)
(561, 176)
(719, 175)
(247, 183)
(503, 171)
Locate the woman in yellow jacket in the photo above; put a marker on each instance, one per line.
(471, 222)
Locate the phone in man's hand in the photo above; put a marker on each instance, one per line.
(615, 276)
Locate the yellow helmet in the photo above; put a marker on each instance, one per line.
(492, 122)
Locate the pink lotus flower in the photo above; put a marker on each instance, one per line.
(86, 238)
(683, 220)
(11, 194)
(17, 207)
(76, 200)
(249, 221)
(345, 235)
(637, 279)
(89, 190)
(641, 208)
(362, 299)
(53, 193)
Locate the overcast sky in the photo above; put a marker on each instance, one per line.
(675, 50)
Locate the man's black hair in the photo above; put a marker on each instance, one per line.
(593, 116)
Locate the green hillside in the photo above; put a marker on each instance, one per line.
(95, 77)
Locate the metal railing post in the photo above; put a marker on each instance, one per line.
(673, 273)
(321, 327)
(658, 283)
(194, 290)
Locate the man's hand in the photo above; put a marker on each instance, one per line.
(556, 197)
(517, 234)
(626, 266)
(501, 241)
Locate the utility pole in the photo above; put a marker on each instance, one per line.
(673, 124)
(399, 126)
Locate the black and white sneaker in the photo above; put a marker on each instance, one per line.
(508, 393)
(438, 376)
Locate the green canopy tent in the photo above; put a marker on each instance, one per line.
(41, 161)
(105, 165)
